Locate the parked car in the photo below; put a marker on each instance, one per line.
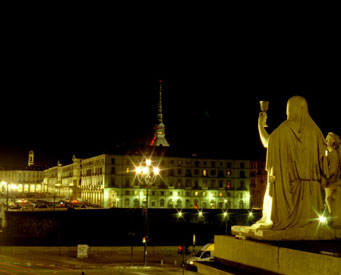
(206, 254)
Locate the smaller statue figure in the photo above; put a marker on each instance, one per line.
(333, 174)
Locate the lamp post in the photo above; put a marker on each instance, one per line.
(146, 174)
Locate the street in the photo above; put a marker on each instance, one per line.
(114, 260)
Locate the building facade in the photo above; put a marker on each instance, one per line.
(110, 181)
(258, 180)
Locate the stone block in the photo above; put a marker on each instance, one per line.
(228, 248)
(82, 251)
(260, 255)
(300, 262)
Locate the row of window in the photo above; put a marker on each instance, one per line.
(179, 204)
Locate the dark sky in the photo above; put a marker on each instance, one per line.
(85, 93)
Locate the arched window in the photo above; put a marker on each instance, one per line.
(162, 203)
(127, 203)
(188, 204)
(241, 204)
(170, 204)
(136, 203)
(212, 204)
(179, 204)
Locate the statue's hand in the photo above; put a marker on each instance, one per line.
(262, 119)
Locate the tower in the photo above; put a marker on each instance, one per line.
(159, 138)
(30, 158)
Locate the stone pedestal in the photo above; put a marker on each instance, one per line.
(259, 258)
(313, 231)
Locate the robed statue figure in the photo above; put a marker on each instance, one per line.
(294, 159)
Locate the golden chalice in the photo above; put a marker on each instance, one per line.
(264, 106)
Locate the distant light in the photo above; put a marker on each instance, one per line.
(138, 170)
(200, 213)
(250, 214)
(225, 214)
(323, 219)
(156, 170)
(180, 214)
(144, 170)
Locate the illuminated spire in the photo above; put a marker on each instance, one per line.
(159, 130)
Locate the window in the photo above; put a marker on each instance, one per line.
(204, 173)
(188, 204)
(196, 172)
(213, 172)
(136, 203)
(228, 185)
(162, 203)
(112, 161)
(242, 165)
(228, 173)
(196, 163)
(213, 164)
(126, 203)
(188, 173)
(206, 254)
(242, 174)
(221, 174)
(170, 204)
(112, 172)
(171, 173)
(229, 165)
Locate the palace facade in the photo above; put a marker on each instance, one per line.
(110, 181)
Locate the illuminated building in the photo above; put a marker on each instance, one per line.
(63, 181)
(26, 180)
(110, 181)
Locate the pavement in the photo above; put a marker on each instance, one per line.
(106, 260)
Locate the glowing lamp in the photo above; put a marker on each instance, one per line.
(138, 170)
(322, 219)
(144, 170)
(156, 170)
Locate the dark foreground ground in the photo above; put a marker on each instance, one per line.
(109, 260)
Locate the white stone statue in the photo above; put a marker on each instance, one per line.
(294, 163)
(333, 183)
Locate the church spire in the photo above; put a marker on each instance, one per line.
(159, 130)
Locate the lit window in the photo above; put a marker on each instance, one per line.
(127, 170)
(196, 193)
(204, 173)
(220, 194)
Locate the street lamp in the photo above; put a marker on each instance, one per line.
(146, 174)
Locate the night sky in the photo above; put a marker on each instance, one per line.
(82, 94)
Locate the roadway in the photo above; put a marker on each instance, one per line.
(106, 260)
